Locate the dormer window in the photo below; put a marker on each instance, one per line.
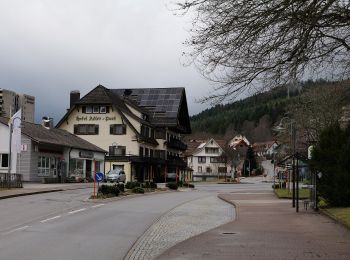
(88, 109)
(103, 110)
(96, 109)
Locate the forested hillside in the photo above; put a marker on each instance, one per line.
(253, 116)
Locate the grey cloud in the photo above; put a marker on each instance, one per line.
(48, 48)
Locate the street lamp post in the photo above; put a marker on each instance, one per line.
(295, 172)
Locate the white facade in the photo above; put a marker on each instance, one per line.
(208, 161)
(4, 151)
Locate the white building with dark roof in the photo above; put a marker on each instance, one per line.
(141, 128)
(207, 159)
(50, 155)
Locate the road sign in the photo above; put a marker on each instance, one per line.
(98, 176)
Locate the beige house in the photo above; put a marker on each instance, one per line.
(141, 129)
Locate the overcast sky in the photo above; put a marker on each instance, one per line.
(50, 47)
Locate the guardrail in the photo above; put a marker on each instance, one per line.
(13, 180)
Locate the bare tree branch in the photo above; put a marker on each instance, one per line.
(240, 43)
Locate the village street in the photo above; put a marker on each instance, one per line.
(65, 225)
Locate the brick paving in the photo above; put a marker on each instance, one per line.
(267, 228)
(181, 223)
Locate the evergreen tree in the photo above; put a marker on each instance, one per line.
(331, 158)
(249, 162)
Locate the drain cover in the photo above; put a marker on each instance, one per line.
(229, 233)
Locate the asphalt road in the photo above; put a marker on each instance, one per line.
(64, 225)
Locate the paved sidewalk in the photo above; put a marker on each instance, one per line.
(267, 228)
(37, 188)
(181, 223)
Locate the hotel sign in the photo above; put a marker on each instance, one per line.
(86, 154)
(95, 118)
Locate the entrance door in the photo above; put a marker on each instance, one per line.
(88, 169)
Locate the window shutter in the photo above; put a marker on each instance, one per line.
(107, 109)
(75, 129)
(96, 129)
(83, 109)
(111, 129)
(124, 129)
(111, 150)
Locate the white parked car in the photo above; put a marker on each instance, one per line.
(116, 175)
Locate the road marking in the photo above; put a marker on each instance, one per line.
(48, 219)
(76, 211)
(98, 205)
(17, 229)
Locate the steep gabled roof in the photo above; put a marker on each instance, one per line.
(54, 136)
(196, 146)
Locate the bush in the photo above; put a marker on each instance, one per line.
(132, 184)
(121, 187)
(138, 190)
(276, 186)
(330, 156)
(149, 185)
(180, 183)
(109, 190)
(172, 185)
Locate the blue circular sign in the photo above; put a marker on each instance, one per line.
(99, 176)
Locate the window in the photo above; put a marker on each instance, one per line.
(211, 150)
(201, 159)
(95, 109)
(141, 152)
(117, 129)
(222, 170)
(117, 150)
(214, 159)
(47, 166)
(86, 129)
(151, 153)
(103, 110)
(199, 168)
(88, 109)
(146, 152)
(159, 154)
(145, 131)
(208, 169)
(76, 167)
(160, 134)
(4, 160)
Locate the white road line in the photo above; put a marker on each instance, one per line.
(48, 219)
(98, 205)
(76, 211)
(17, 229)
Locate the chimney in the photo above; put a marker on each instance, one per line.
(47, 122)
(74, 97)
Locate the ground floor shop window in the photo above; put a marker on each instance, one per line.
(47, 166)
(76, 168)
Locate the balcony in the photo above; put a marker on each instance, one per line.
(176, 144)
